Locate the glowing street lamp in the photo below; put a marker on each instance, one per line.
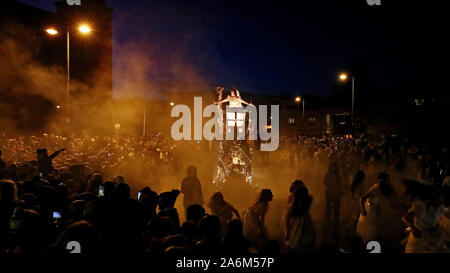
(302, 100)
(84, 29)
(51, 31)
(344, 77)
(298, 100)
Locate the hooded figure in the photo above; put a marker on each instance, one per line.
(191, 188)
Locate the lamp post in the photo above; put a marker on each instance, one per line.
(298, 100)
(302, 100)
(344, 77)
(83, 29)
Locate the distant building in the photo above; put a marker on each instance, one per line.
(319, 119)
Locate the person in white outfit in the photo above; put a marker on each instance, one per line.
(235, 117)
(428, 205)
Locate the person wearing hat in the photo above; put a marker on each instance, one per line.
(166, 204)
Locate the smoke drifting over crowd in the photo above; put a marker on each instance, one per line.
(136, 64)
(94, 150)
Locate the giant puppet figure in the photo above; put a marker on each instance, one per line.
(235, 156)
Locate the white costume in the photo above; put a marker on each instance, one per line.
(235, 119)
(377, 223)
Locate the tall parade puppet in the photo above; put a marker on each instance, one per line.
(235, 155)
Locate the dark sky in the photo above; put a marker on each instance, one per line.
(292, 47)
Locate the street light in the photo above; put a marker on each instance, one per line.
(344, 77)
(84, 29)
(51, 31)
(302, 100)
(298, 100)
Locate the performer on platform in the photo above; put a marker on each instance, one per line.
(235, 104)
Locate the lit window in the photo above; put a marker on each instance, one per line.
(312, 120)
(419, 102)
(291, 121)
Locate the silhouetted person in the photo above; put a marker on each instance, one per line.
(45, 165)
(333, 194)
(234, 242)
(195, 213)
(93, 183)
(26, 228)
(124, 221)
(356, 191)
(85, 234)
(211, 241)
(294, 186)
(149, 200)
(108, 186)
(378, 220)
(76, 209)
(191, 188)
(297, 225)
(166, 203)
(119, 179)
(222, 209)
(190, 232)
(159, 228)
(253, 219)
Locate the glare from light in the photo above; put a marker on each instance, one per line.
(343, 77)
(84, 29)
(172, 103)
(298, 99)
(51, 31)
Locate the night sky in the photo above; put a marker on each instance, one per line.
(294, 47)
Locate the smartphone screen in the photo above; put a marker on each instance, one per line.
(139, 195)
(56, 215)
(101, 190)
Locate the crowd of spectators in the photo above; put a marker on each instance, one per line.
(77, 193)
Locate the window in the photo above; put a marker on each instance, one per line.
(312, 120)
(291, 121)
(419, 102)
